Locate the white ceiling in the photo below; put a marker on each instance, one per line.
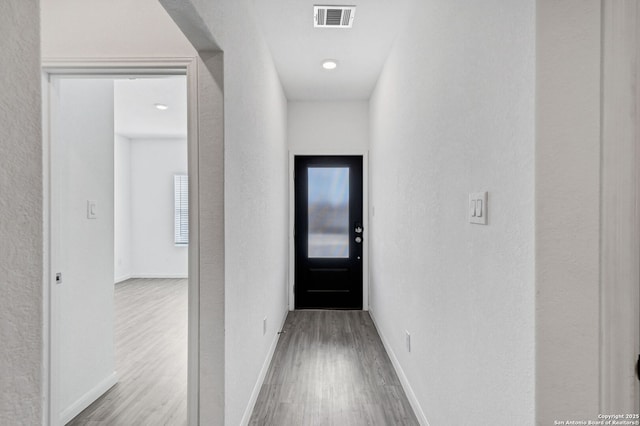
(298, 48)
(136, 115)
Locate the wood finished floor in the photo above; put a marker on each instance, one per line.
(151, 357)
(330, 368)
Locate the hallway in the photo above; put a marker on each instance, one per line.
(500, 145)
(330, 368)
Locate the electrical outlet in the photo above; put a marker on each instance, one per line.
(264, 326)
(407, 340)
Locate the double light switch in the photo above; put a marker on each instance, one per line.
(478, 208)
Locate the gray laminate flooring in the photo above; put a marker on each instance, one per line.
(330, 368)
(151, 357)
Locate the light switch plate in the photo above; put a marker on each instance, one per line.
(478, 208)
(92, 209)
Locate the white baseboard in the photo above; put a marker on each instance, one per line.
(263, 373)
(88, 398)
(132, 276)
(123, 278)
(175, 276)
(408, 390)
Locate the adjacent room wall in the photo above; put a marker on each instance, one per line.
(154, 162)
(122, 201)
(568, 39)
(21, 207)
(453, 113)
(144, 235)
(328, 127)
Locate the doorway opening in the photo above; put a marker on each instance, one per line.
(329, 232)
(150, 254)
(115, 190)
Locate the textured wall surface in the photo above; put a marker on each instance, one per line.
(255, 198)
(255, 205)
(567, 209)
(20, 214)
(328, 127)
(112, 29)
(453, 113)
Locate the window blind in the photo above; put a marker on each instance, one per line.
(181, 223)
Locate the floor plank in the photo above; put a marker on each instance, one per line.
(330, 368)
(151, 357)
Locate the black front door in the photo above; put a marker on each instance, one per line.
(328, 232)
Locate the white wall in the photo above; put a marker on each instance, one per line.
(255, 207)
(154, 162)
(82, 170)
(21, 207)
(110, 29)
(328, 127)
(122, 217)
(255, 199)
(144, 236)
(567, 209)
(453, 113)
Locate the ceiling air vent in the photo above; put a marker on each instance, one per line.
(333, 16)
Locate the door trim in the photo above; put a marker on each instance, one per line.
(118, 67)
(365, 221)
(619, 209)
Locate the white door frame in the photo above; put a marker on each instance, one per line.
(124, 67)
(365, 221)
(620, 209)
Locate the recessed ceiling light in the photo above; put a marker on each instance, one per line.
(329, 64)
(161, 107)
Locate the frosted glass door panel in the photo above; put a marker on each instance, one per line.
(328, 192)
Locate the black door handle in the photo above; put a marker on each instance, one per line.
(638, 368)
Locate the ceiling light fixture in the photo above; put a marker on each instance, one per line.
(161, 107)
(329, 64)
